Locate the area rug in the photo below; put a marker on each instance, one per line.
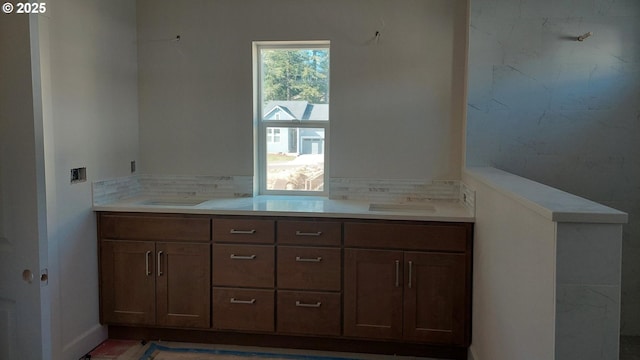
(160, 352)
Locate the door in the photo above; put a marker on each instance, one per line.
(183, 284)
(434, 298)
(24, 311)
(127, 273)
(373, 281)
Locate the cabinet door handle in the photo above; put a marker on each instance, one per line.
(410, 273)
(301, 304)
(146, 262)
(248, 302)
(242, 257)
(302, 233)
(160, 263)
(245, 232)
(300, 259)
(397, 273)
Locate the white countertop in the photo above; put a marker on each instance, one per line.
(300, 206)
(552, 203)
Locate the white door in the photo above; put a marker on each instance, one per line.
(23, 250)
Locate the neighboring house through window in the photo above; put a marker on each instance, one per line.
(292, 116)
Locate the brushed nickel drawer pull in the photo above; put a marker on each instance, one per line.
(301, 304)
(160, 263)
(244, 232)
(410, 273)
(302, 233)
(300, 259)
(242, 257)
(397, 273)
(146, 262)
(248, 302)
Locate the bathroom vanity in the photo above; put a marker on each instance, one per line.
(396, 281)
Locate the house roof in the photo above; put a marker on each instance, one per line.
(300, 109)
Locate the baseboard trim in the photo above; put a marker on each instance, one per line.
(471, 355)
(85, 342)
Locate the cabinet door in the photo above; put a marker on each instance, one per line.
(183, 285)
(128, 282)
(434, 298)
(373, 293)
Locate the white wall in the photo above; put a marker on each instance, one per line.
(513, 279)
(546, 271)
(90, 102)
(396, 106)
(562, 112)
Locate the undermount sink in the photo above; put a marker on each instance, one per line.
(402, 207)
(172, 202)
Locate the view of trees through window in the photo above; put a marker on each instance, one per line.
(294, 87)
(296, 74)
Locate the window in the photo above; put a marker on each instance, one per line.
(273, 135)
(292, 116)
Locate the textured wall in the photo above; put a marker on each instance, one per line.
(559, 111)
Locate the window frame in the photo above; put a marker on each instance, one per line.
(261, 125)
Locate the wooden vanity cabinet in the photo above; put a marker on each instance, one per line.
(243, 265)
(309, 271)
(144, 283)
(435, 305)
(420, 275)
(127, 282)
(372, 281)
(146, 272)
(243, 274)
(396, 285)
(243, 309)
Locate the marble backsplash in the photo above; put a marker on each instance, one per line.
(395, 190)
(207, 187)
(110, 190)
(196, 186)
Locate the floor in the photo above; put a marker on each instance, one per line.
(133, 350)
(630, 348)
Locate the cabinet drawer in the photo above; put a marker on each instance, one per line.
(172, 228)
(312, 313)
(451, 238)
(243, 309)
(243, 265)
(309, 233)
(309, 268)
(244, 231)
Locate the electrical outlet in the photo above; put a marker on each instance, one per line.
(78, 175)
